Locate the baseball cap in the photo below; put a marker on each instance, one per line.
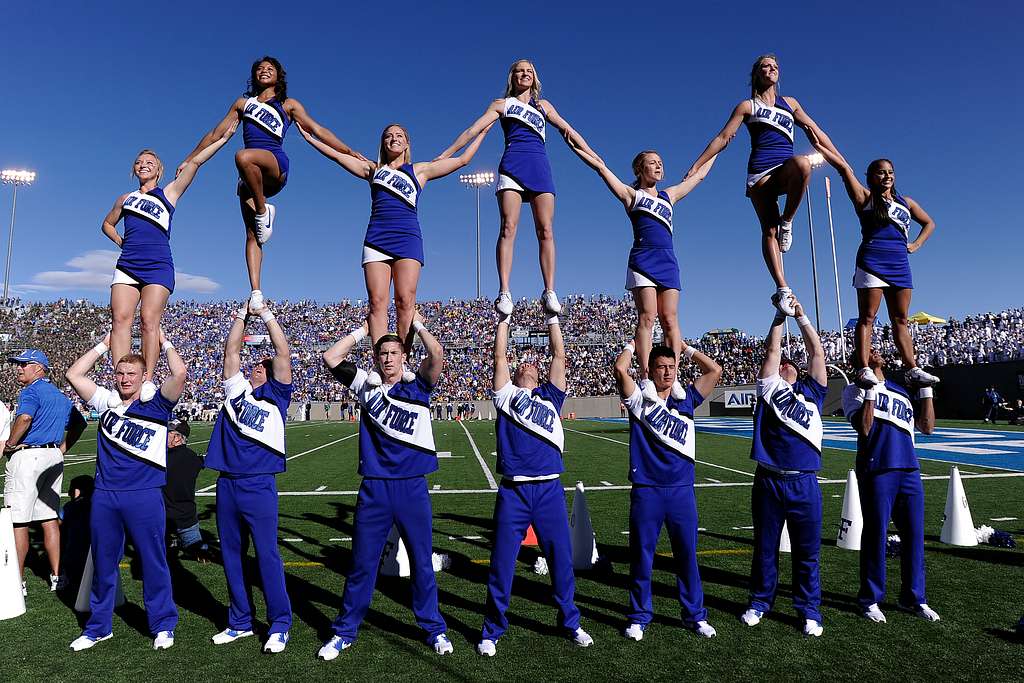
(31, 356)
(180, 426)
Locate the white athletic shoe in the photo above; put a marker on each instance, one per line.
(442, 645)
(752, 617)
(256, 301)
(678, 393)
(265, 224)
(373, 378)
(784, 234)
(408, 375)
(503, 304)
(866, 379)
(813, 628)
(230, 635)
(782, 299)
(58, 582)
(648, 390)
(582, 638)
(705, 629)
(874, 613)
(164, 640)
(333, 647)
(919, 378)
(550, 301)
(922, 611)
(113, 400)
(148, 391)
(84, 642)
(276, 643)
(486, 648)
(635, 632)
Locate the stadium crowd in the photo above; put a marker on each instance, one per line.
(595, 327)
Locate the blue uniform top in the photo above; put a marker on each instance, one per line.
(248, 436)
(787, 424)
(49, 410)
(771, 134)
(890, 442)
(529, 431)
(131, 444)
(652, 220)
(524, 126)
(394, 193)
(661, 438)
(264, 125)
(147, 226)
(892, 234)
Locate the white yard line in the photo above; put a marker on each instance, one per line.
(329, 443)
(483, 465)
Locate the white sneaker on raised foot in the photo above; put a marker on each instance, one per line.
(678, 393)
(922, 611)
(582, 638)
(782, 299)
(635, 632)
(256, 301)
(265, 224)
(147, 392)
(486, 648)
(84, 642)
(550, 301)
(373, 378)
(442, 645)
(648, 390)
(874, 613)
(164, 640)
(408, 375)
(230, 635)
(813, 628)
(58, 582)
(503, 304)
(752, 617)
(784, 234)
(866, 378)
(919, 378)
(705, 629)
(276, 642)
(333, 647)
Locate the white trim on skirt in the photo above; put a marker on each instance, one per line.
(865, 280)
(123, 278)
(506, 183)
(755, 178)
(371, 255)
(635, 279)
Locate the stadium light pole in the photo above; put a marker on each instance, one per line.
(475, 181)
(835, 270)
(816, 160)
(15, 177)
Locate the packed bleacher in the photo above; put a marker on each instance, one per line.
(595, 327)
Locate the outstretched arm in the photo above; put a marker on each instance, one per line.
(711, 371)
(724, 137)
(556, 372)
(431, 366)
(233, 343)
(490, 115)
(230, 119)
(501, 376)
(812, 342)
(358, 166)
(175, 383)
(77, 376)
(680, 190)
(439, 168)
(858, 193)
(300, 116)
(188, 168)
(772, 348)
(623, 192)
(571, 135)
(926, 222)
(623, 381)
(110, 222)
(282, 354)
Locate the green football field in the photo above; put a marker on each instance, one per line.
(978, 591)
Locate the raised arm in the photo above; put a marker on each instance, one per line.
(77, 376)
(356, 165)
(623, 381)
(556, 372)
(812, 342)
(175, 383)
(924, 416)
(854, 189)
(772, 348)
(571, 135)
(301, 117)
(623, 192)
(683, 188)
(110, 222)
(724, 137)
(490, 115)
(439, 168)
(341, 348)
(282, 354)
(187, 169)
(711, 371)
(501, 375)
(230, 119)
(925, 221)
(233, 343)
(432, 365)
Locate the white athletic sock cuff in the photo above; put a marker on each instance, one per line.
(101, 349)
(358, 334)
(688, 352)
(803, 321)
(925, 392)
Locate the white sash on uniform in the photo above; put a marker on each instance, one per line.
(265, 116)
(526, 114)
(533, 413)
(403, 421)
(668, 426)
(256, 419)
(398, 183)
(890, 407)
(798, 414)
(776, 117)
(139, 437)
(898, 214)
(653, 206)
(148, 207)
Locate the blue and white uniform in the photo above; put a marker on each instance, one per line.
(524, 166)
(661, 467)
(652, 260)
(787, 449)
(396, 452)
(264, 125)
(394, 229)
(146, 248)
(771, 138)
(247, 447)
(889, 481)
(530, 443)
(882, 259)
(131, 470)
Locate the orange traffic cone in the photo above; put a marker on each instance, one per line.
(531, 537)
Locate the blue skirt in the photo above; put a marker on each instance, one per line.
(659, 265)
(890, 264)
(148, 271)
(532, 171)
(395, 243)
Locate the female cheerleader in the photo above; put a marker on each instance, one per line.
(145, 270)
(772, 169)
(266, 113)
(524, 174)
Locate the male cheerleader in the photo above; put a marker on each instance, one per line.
(131, 464)
(661, 465)
(396, 452)
(247, 447)
(889, 481)
(530, 441)
(787, 449)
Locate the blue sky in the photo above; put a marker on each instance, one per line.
(921, 83)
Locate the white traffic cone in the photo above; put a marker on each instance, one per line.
(85, 587)
(12, 602)
(395, 559)
(957, 524)
(584, 542)
(784, 544)
(852, 521)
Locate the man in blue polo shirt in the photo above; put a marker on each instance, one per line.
(45, 427)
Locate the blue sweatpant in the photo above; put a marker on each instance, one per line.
(898, 494)
(518, 505)
(252, 502)
(649, 508)
(141, 514)
(381, 504)
(778, 499)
